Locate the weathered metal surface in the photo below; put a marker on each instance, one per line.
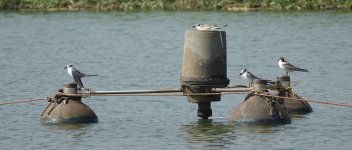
(200, 98)
(260, 110)
(70, 88)
(294, 106)
(68, 111)
(204, 67)
(259, 85)
(291, 106)
(284, 81)
(204, 110)
(204, 59)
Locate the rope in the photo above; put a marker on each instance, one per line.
(180, 94)
(22, 101)
(313, 101)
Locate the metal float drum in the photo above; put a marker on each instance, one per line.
(292, 106)
(259, 110)
(68, 109)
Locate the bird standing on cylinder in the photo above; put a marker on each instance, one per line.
(77, 75)
(208, 27)
(283, 64)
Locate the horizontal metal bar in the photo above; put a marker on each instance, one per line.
(153, 94)
(230, 89)
(136, 91)
(167, 91)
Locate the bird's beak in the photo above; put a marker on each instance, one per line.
(65, 68)
(193, 26)
(240, 74)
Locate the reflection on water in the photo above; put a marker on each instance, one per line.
(260, 128)
(210, 133)
(67, 126)
(76, 131)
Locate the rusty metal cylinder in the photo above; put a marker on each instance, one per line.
(284, 81)
(292, 106)
(204, 64)
(204, 59)
(204, 67)
(70, 88)
(258, 110)
(68, 109)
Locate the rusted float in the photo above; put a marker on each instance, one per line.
(260, 110)
(67, 109)
(292, 106)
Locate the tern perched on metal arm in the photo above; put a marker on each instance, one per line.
(77, 75)
(208, 27)
(283, 64)
(248, 76)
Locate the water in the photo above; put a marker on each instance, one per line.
(143, 50)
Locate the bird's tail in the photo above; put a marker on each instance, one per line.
(90, 75)
(303, 70)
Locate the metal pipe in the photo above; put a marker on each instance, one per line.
(155, 94)
(168, 91)
(230, 89)
(136, 91)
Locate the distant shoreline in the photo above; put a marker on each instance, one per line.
(129, 5)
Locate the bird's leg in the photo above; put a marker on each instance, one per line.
(286, 73)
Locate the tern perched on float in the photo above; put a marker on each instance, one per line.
(77, 75)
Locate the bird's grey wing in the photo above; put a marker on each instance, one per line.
(81, 74)
(219, 26)
(78, 81)
(253, 76)
(291, 67)
(77, 73)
